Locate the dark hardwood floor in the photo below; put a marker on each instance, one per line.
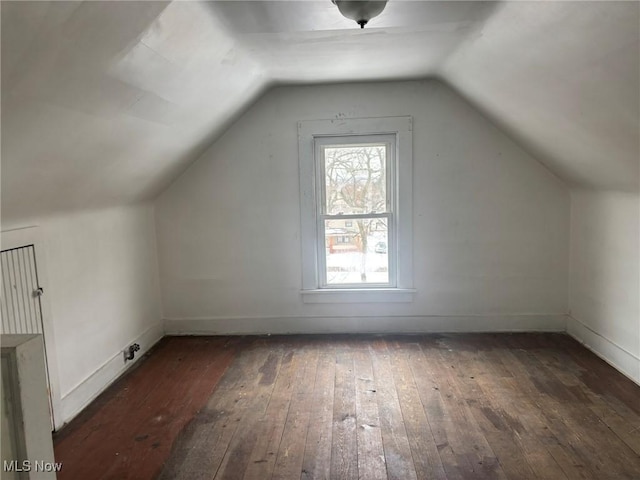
(460, 406)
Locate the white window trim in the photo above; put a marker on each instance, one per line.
(308, 131)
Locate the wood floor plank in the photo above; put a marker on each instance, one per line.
(466, 436)
(268, 431)
(317, 456)
(573, 411)
(292, 446)
(344, 452)
(441, 406)
(371, 458)
(501, 404)
(624, 422)
(109, 410)
(451, 417)
(237, 456)
(122, 432)
(556, 406)
(561, 443)
(422, 359)
(596, 374)
(214, 427)
(182, 398)
(424, 450)
(397, 451)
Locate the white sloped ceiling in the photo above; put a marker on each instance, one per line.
(563, 79)
(105, 103)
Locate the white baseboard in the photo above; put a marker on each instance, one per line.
(84, 393)
(397, 324)
(625, 362)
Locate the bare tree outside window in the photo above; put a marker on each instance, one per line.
(356, 207)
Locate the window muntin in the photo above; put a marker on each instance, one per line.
(355, 205)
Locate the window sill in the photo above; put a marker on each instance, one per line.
(358, 295)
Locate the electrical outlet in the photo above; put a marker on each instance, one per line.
(130, 352)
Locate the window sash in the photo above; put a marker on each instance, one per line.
(322, 255)
(323, 142)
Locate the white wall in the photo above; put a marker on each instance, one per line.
(490, 223)
(605, 276)
(102, 294)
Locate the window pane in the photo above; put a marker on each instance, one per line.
(357, 254)
(355, 179)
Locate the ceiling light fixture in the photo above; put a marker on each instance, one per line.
(360, 10)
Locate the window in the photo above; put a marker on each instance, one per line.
(355, 211)
(355, 191)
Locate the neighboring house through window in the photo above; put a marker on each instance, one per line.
(355, 192)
